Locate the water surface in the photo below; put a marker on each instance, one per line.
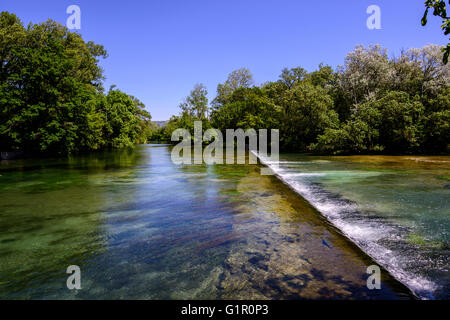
(140, 227)
(396, 209)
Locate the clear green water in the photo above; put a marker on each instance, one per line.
(396, 209)
(140, 227)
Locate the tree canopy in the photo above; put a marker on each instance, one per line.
(370, 104)
(52, 99)
(51, 94)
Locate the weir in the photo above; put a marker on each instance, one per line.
(351, 199)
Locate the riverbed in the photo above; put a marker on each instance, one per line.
(141, 227)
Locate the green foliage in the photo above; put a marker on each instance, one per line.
(390, 124)
(51, 94)
(354, 137)
(241, 78)
(194, 108)
(404, 111)
(184, 121)
(306, 112)
(196, 104)
(246, 108)
(289, 77)
(371, 104)
(439, 10)
(400, 125)
(436, 124)
(127, 121)
(324, 77)
(52, 99)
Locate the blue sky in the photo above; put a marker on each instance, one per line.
(159, 49)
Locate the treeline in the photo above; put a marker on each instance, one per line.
(51, 94)
(371, 104)
(52, 100)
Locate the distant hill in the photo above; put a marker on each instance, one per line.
(160, 124)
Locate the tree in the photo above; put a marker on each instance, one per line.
(246, 108)
(289, 77)
(436, 124)
(439, 10)
(324, 77)
(391, 123)
(198, 102)
(307, 110)
(431, 75)
(364, 75)
(126, 120)
(51, 94)
(241, 78)
(372, 104)
(50, 82)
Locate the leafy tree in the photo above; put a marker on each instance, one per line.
(306, 112)
(391, 123)
(246, 108)
(289, 77)
(430, 75)
(354, 137)
(400, 121)
(436, 124)
(51, 94)
(372, 104)
(439, 10)
(241, 78)
(364, 75)
(198, 101)
(126, 120)
(50, 78)
(196, 104)
(324, 77)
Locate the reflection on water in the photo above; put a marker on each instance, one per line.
(141, 227)
(395, 208)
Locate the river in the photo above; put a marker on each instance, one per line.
(141, 227)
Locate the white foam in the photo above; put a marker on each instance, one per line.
(289, 175)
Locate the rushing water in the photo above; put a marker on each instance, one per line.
(396, 209)
(140, 227)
